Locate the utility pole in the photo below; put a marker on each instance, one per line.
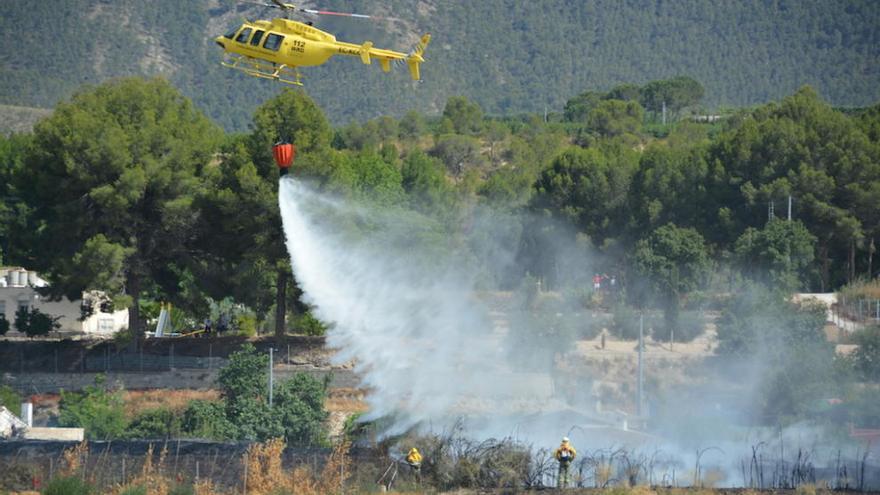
(641, 375)
(271, 376)
(789, 207)
(664, 112)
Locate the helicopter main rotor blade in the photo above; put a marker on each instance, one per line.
(348, 14)
(278, 4)
(283, 6)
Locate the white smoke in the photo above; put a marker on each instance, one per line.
(403, 303)
(403, 307)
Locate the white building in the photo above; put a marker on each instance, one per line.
(18, 290)
(11, 427)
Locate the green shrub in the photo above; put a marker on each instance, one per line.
(155, 424)
(67, 485)
(9, 398)
(246, 324)
(34, 323)
(95, 409)
(206, 419)
(690, 326)
(625, 322)
(182, 489)
(134, 490)
(123, 338)
(243, 413)
(299, 403)
(307, 324)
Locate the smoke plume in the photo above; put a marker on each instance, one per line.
(406, 303)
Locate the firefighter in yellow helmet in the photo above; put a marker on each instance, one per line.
(565, 455)
(414, 459)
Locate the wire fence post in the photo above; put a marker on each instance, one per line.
(640, 382)
(271, 377)
(245, 480)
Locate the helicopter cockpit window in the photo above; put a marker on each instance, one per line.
(257, 37)
(273, 41)
(243, 35)
(231, 34)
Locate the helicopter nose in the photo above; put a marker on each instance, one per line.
(220, 43)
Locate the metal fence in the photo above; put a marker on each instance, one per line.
(154, 355)
(29, 464)
(860, 309)
(149, 362)
(104, 359)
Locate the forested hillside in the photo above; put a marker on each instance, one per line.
(510, 57)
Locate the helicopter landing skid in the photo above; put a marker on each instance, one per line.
(266, 70)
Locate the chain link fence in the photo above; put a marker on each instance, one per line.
(150, 356)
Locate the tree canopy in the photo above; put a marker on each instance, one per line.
(113, 174)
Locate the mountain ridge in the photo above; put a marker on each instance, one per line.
(509, 57)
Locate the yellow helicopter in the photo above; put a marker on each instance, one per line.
(275, 49)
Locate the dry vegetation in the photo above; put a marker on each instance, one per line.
(264, 474)
(491, 467)
(174, 400)
(342, 400)
(346, 400)
(861, 290)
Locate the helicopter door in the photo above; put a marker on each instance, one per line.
(255, 41)
(273, 42)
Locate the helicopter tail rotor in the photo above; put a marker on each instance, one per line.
(415, 58)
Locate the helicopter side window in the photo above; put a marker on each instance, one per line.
(257, 37)
(231, 34)
(273, 42)
(243, 35)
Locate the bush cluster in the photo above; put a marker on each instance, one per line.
(243, 413)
